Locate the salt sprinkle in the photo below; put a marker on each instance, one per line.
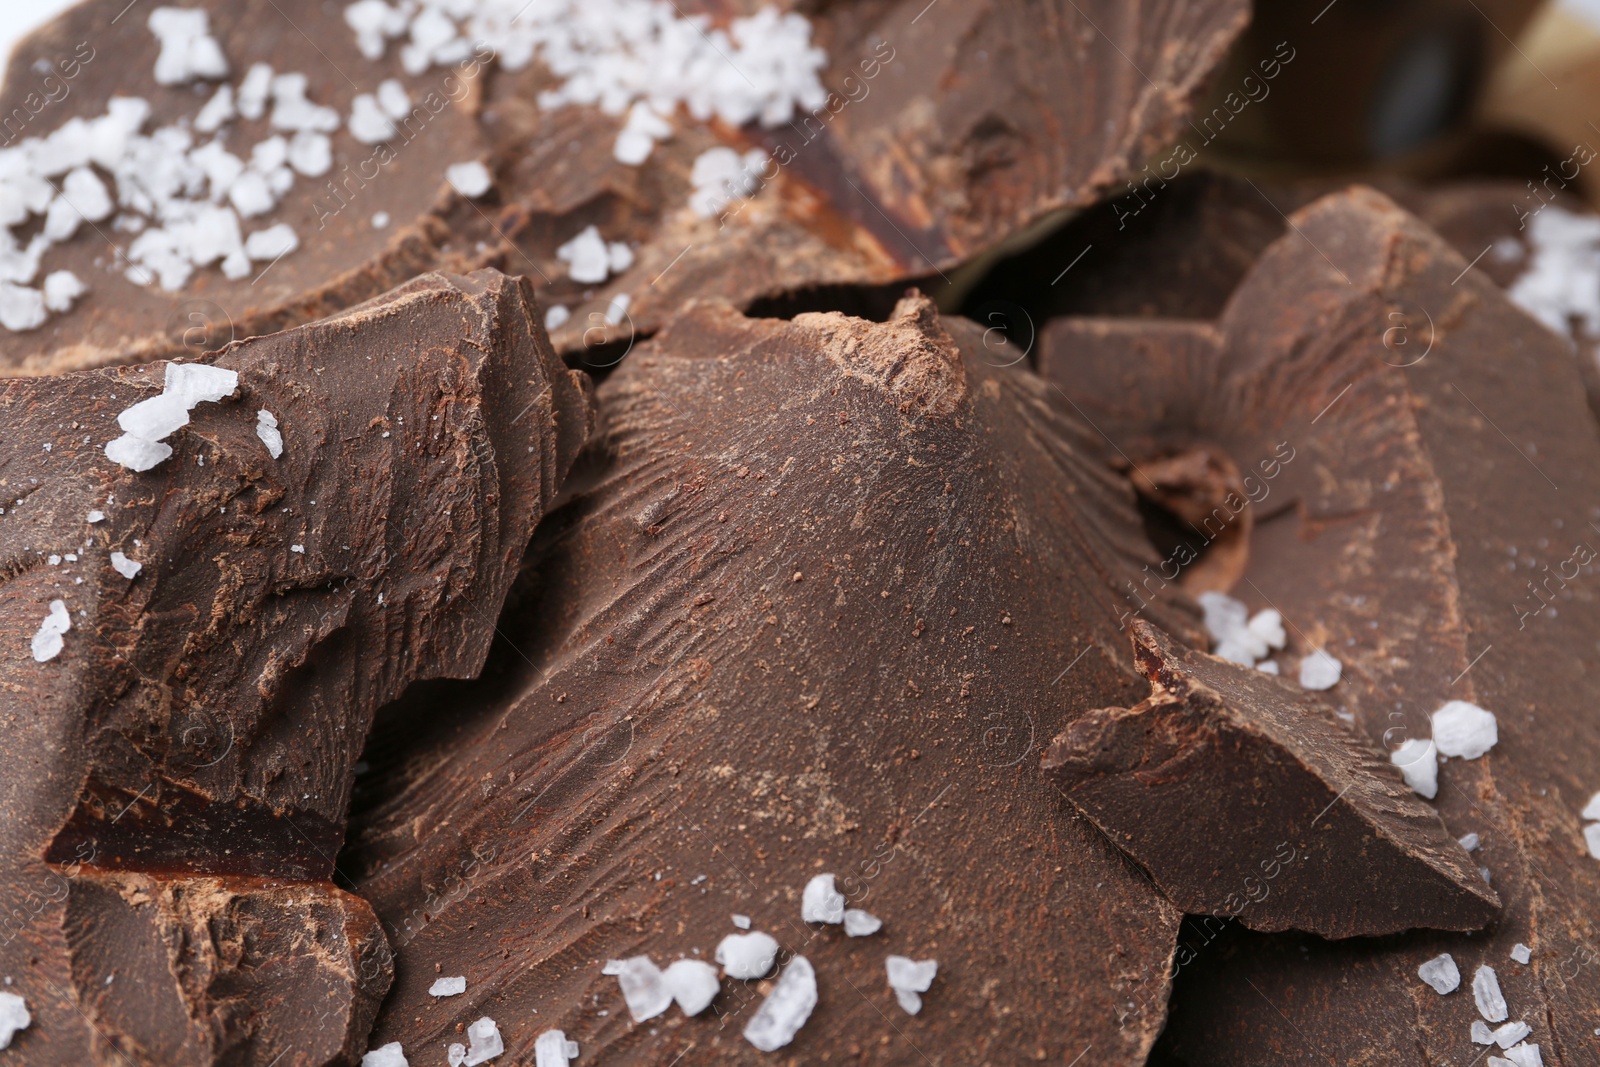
(199, 383)
(390, 1055)
(188, 51)
(821, 902)
(1320, 671)
(47, 645)
(13, 1012)
(301, 549)
(1419, 766)
(742, 921)
(448, 987)
(1463, 729)
(1520, 1056)
(471, 180)
(858, 923)
(1562, 279)
(747, 956)
(1469, 842)
(124, 566)
(638, 136)
(644, 988)
(909, 978)
(1441, 973)
(556, 317)
(552, 1049)
(721, 175)
(1505, 1036)
(786, 1008)
(1521, 953)
(486, 1044)
(136, 454)
(693, 984)
(587, 256)
(267, 430)
(1486, 993)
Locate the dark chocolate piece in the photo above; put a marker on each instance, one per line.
(825, 589)
(204, 717)
(1245, 798)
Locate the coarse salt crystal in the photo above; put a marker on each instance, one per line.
(274, 242)
(1521, 953)
(1465, 730)
(61, 289)
(786, 1008)
(486, 1042)
(156, 418)
(1419, 766)
(638, 136)
(693, 984)
(617, 310)
(747, 956)
(21, 308)
(1267, 624)
(298, 549)
(1486, 994)
(742, 921)
(552, 1049)
(644, 988)
(13, 1015)
(1320, 671)
(1591, 837)
(610, 967)
(821, 902)
(1469, 842)
(556, 317)
(96, 516)
(1591, 810)
(1509, 1034)
(390, 1055)
(909, 978)
(188, 51)
(858, 923)
(1522, 1056)
(1268, 666)
(471, 179)
(267, 430)
(448, 987)
(1441, 973)
(369, 123)
(586, 255)
(198, 383)
(135, 453)
(124, 566)
(47, 645)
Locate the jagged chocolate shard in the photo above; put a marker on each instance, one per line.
(823, 589)
(234, 618)
(1245, 798)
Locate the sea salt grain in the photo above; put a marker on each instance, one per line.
(448, 987)
(1419, 766)
(747, 956)
(135, 453)
(267, 430)
(1509, 1034)
(95, 516)
(188, 51)
(693, 984)
(742, 921)
(1469, 842)
(858, 923)
(1591, 810)
(786, 1008)
(390, 1055)
(471, 180)
(556, 317)
(198, 383)
(638, 136)
(13, 1015)
(1320, 671)
(1521, 953)
(1521, 1056)
(486, 1043)
(552, 1049)
(47, 645)
(155, 419)
(1465, 730)
(587, 258)
(1486, 994)
(1591, 837)
(909, 978)
(1441, 974)
(124, 566)
(61, 289)
(821, 902)
(644, 988)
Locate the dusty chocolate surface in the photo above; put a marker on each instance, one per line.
(824, 590)
(1388, 540)
(204, 717)
(1245, 798)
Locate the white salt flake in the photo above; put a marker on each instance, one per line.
(1481, 1034)
(909, 979)
(188, 51)
(556, 317)
(471, 179)
(644, 988)
(1521, 953)
(858, 923)
(254, 91)
(1469, 842)
(393, 99)
(199, 383)
(274, 242)
(390, 1055)
(52, 560)
(1591, 810)
(156, 418)
(267, 430)
(311, 153)
(61, 289)
(21, 308)
(1465, 730)
(1523, 1056)
(293, 110)
(821, 902)
(611, 967)
(1419, 766)
(720, 176)
(369, 123)
(47, 645)
(693, 984)
(742, 921)
(1267, 624)
(1486, 994)
(638, 136)
(135, 453)
(1320, 671)
(218, 112)
(552, 1049)
(1268, 666)
(95, 516)
(124, 566)
(1591, 837)
(786, 1008)
(1441, 973)
(747, 956)
(298, 549)
(587, 258)
(486, 1042)
(13, 1013)
(448, 987)
(617, 310)
(1509, 1034)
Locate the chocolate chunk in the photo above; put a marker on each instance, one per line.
(204, 712)
(1377, 540)
(1244, 797)
(824, 589)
